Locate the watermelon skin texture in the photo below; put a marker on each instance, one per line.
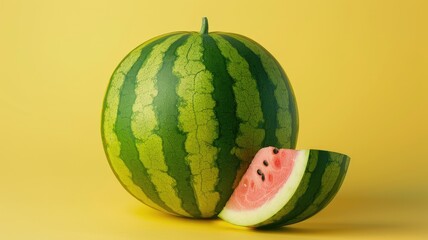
(185, 112)
(323, 177)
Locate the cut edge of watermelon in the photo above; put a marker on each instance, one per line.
(270, 208)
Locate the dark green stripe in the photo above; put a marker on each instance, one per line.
(266, 90)
(314, 186)
(173, 139)
(225, 112)
(129, 152)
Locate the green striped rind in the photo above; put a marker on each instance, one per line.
(185, 113)
(197, 121)
(277, 122)
(248, 104)
(272, 76)
(155, 133)
(118, 140)
(323, 177)
(228, 122)
(275, 90)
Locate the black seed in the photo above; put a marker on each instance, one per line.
(265, 163)
(259, 172)
(263, 177)
(275, 150)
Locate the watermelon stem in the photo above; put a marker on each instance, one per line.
(204, 28)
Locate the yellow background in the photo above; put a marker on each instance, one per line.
(358, 69)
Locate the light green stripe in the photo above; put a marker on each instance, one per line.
(283, 132)
(197, 120)
(251, 132)
(144, 124)
(112, 144)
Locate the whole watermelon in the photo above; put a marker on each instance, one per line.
(185, 113)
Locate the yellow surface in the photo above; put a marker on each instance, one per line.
(358, 68)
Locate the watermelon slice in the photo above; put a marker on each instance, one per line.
(284, 186)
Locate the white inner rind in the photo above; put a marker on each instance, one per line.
(271, 207)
